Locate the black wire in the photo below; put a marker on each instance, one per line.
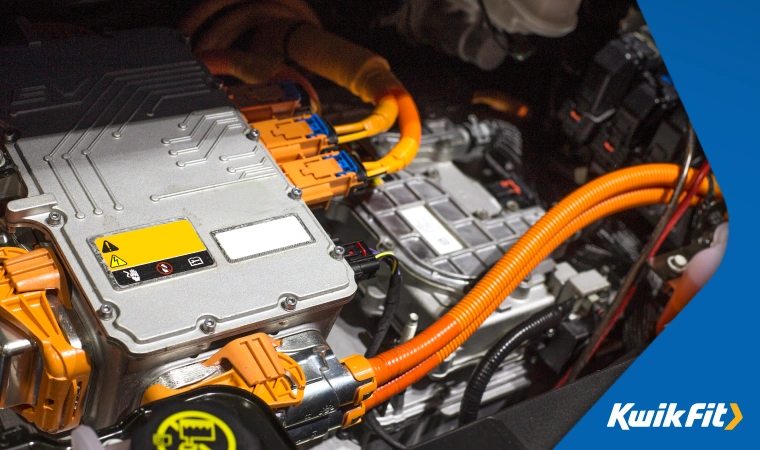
(494, 30)
(711, 187)
(392, 299)
(371, 421)
(530, 328)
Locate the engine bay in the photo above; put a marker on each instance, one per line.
(232, 225)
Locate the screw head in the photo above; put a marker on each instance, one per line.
(338, 252)
(482, 214)
(208, 326)
(54, 218)
(253, 134)
(550, 332)
(106, 312)
(289, 303)
(295, 193)
(513, 205)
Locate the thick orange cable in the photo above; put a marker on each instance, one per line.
(628, 200)
(406, 148)
(485, 297)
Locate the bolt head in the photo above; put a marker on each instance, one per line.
(513, 205)
(253, 134)
(295, 193)
(106, 312)
(54, 218)
(208, 325)
(550, 332)
(289, 303)
(338, 252)
(10, 135)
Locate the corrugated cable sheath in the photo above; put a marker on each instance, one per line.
(618, 203)
(529, 329)
(485, 297)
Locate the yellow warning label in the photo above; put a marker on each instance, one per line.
(117, 262)
(150, 244)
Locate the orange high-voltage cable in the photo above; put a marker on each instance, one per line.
(619, 203)
(480, 302)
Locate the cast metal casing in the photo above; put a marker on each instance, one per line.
(128, 132)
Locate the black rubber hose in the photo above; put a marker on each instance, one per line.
(371, 421)
(530, 328)
(392, 299)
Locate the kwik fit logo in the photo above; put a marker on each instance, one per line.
(669, 415)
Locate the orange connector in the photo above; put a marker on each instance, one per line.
(260, 102)
(325, 176)
(24, 280)
(296, 138)
(255, 366)
(361, 369)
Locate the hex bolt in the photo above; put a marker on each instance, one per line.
(253, 134)
(10, 135)
(208, 326)
(54, 218)
(289, 303)
(106, 312)
(295, 193)
(677, 263)
(513, 205)
(338, 252)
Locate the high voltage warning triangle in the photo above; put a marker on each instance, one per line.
(117, 262)
(108, 247)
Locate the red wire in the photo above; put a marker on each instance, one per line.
(682, 207)
(679, 212)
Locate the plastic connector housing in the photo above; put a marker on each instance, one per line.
(260, 102)
(296, 138)
(361, 259)
(322, 177)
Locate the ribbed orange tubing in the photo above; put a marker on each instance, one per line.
(619, 203)
(463, 319)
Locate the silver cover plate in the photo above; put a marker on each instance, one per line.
(140, 152)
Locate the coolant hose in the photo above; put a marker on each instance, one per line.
(531, 328)
(401, 356)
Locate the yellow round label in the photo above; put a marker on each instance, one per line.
(194, 430)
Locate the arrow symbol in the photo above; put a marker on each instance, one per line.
(737, 417)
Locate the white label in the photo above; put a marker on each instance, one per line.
(431, 229)
(262, 237)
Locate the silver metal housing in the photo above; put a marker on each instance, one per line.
(131, 131)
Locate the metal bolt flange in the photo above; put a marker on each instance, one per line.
(338, 252)
(106, 312)
(253, 134)
(54, 218)
(295, 193)
(289, 303)
(208, 326)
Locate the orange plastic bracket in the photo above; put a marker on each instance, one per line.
(255, 366)
(66, 369)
